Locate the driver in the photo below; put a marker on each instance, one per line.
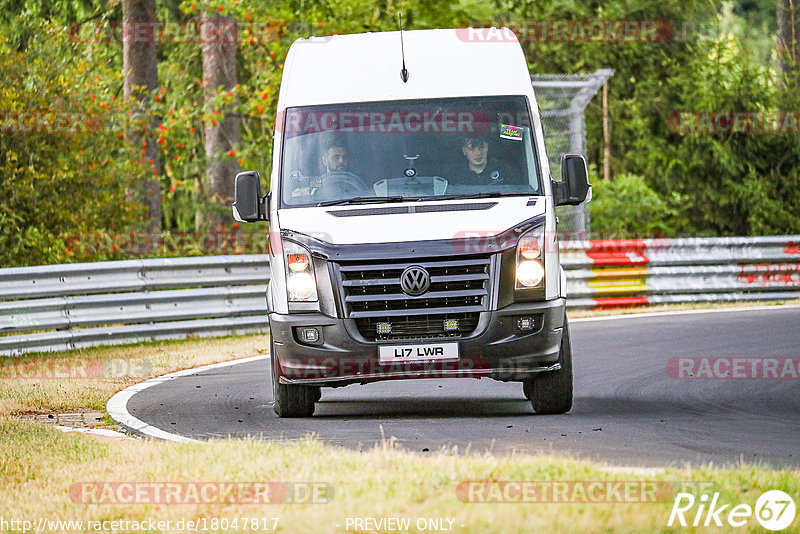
(334, 159)
(335, 155)
(337, 182)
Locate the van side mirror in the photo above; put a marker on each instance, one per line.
(249, 204)
(574, 184)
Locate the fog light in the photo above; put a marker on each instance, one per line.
(309, 334)
(450, 325)
(384, 328)
(525, 324)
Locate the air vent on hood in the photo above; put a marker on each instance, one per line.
(455, 207)
(430, 208)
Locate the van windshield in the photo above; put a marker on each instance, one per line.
(408, 150)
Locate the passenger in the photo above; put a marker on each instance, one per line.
(477, 168)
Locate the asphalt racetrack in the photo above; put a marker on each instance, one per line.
(628, 409)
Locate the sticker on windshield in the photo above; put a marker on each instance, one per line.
(510, 132)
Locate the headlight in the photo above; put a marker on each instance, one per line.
(301, 286)
(530, 257)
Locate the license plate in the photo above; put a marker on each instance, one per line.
(417, 353)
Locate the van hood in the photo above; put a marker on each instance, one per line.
(411, 221)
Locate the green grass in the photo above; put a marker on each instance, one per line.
(127, 365)
(38, 465)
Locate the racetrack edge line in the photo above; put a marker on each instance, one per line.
(117, 406)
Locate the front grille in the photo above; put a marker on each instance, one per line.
(418, 326)
(372, 294)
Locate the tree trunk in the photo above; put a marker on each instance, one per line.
(140, 67)
(222, 131)
(789, 41)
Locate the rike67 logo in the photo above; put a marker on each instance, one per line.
(774, 510)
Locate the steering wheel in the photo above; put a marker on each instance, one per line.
(340, 184)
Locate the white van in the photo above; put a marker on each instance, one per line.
(411, 213)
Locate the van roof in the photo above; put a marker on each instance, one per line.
(441, 63)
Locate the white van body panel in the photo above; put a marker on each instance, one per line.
(320, 223)
(366, 68)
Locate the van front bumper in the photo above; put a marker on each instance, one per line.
(498, 349)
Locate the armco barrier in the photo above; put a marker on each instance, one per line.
(656, 271)
(58, 307)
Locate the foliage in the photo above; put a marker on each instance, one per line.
(64, 165)
(736, 183)
(626, 207)
(732, 183)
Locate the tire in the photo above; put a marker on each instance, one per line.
(551, 392)
(291, 400)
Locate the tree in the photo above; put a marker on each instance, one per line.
(789, 41)
(222, 129)
(140, 67)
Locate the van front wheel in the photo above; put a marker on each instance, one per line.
(551, 392)
(291, 400)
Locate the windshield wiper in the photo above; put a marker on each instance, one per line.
(479, 195)
(367, 200)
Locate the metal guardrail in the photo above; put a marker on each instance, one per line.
(657, 271)
(58, 307)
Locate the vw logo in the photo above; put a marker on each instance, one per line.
(415, 280)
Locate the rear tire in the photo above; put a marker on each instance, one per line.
(291, 400)
(551, 392)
